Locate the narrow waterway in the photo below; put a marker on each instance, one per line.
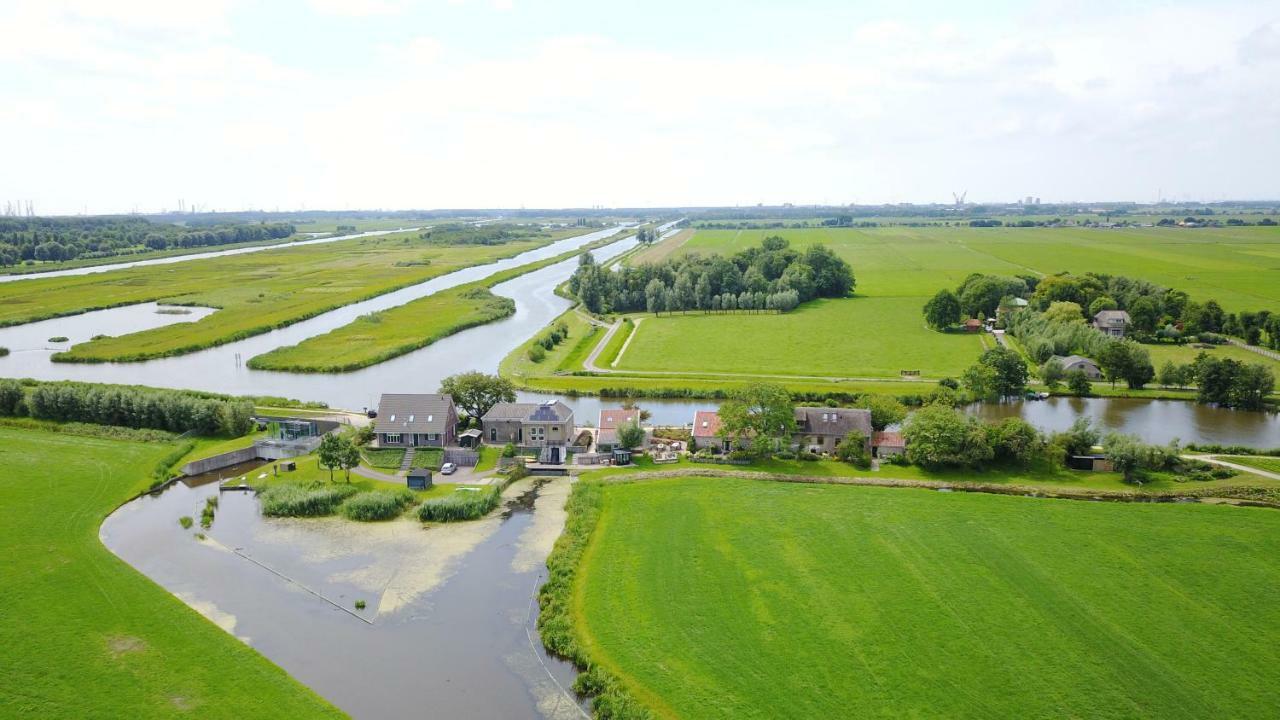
(447, 628)
(171, 259)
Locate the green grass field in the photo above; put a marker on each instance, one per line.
(1270, 464)
(750, 599)
(84, 635)
(1183, 354)
(873, 336)
(256, 292)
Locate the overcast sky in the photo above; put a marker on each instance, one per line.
(112, 106)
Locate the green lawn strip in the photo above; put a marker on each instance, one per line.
(517, 363)
(378, 337)
(256, 292)
(488, 458)
(1183, 354)
(87, 635)
(750, 599)
(309, 471)
(207, 447)
(1260, 462)
(588, 337)
(383, 458)
(430, 458)
(614, 346)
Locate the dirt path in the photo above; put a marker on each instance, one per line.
(1213, 459)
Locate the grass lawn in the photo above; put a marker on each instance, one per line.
(206, 447)
(662, 250)
(383, 458)
(256, 292)
(576, 346)
(1270, 464)
(488, 458)
(853, 337)
(431, 458)
(85, 635)
(1183, 354)
(749, 599)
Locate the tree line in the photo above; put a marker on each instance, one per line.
(177, 411)
(491, 234)
(771, 277)
(32, 239)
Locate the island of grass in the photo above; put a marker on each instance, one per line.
(383, 335)
(88, 636)
(255, 293)
(761, 599)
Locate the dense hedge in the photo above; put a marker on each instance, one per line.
(127, 406)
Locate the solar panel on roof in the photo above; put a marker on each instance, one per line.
(544, 412)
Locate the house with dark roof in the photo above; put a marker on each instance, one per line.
(1078, 362)
(821, 429)
(610, 420)
(529, 424)
(416, 420)
(1112, 322)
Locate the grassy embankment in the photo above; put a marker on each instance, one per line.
(386, 334)
(880, 332)
(255, 292)
(761, 599)
(85, 634)
(1269, 464)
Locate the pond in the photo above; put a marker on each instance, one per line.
(448, 624)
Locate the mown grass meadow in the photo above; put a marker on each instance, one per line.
(756, 599)
(83, 634)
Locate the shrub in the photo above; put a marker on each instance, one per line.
(508, 450)
(3, 351)
(58, 338)
(375, 505)
(808, 456)
(313, 500)
(462, 505)
(781, 455)
(1222, 473)
(360, 605)
(186, 522)
(537, 353)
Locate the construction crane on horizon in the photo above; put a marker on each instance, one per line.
(960, 198)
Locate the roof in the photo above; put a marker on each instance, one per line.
(832, 421)
(888, 439)
(413, 413)
(1071, 360)
(973, 322)
(1111, 317)
(470, 433)
(530, 412)
(612, 418)
(706, 423)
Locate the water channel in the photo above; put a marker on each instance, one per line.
(447, 629)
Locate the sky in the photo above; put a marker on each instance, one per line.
(135, 105)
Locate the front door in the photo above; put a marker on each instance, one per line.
(555, 456)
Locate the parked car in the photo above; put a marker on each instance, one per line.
(448, 469)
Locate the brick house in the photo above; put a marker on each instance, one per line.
(416, 420)
(821, 429)
(610, 420)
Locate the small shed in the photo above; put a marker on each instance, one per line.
(470, 438)
(972, 325)
(1095, 463)
(418, 478)
(621, 456)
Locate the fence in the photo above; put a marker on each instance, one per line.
(461, 458)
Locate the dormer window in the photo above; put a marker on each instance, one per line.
(393, 417)
(410, 418)
(428, 418)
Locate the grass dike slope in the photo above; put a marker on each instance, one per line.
(87, 636)
(757, 599)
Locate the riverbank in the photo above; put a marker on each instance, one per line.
(93, 635)
(381, 336)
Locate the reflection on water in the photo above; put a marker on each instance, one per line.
(1154, 420)
(447, 629)
(81, 328)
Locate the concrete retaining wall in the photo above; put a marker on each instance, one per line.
(217, 462)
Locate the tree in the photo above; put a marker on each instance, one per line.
(943, 310)
(980, 380)
(981, 294)
(832, 276)
(1144, 315)
(939, 436)
(476, 392)
(1080, 438)
(1174, 375)
(1052, 372)
(349, 457)
(1251, 386)
(1015, 440)
(1010, 370)
(630, 434)
(653, 296)
(1102, 303)
(1128, 361)
(1078, 383)
(885, 410)
(1064, 312)
(330, 453)
(853, 450)
(761, 411)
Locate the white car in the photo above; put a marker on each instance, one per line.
(448, 469)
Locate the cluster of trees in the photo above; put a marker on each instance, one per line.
(977, 296)
(1222, 381)
(999, 372)
(33, 239)
(338, 452)
(554, 337)
(173, 410)
(476, 392)
(772, 276)
(467, 234)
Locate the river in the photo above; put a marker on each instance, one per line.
(448, 628)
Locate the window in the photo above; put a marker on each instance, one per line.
(537, 433)
(391, 438)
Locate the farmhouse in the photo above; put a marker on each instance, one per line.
(887, 444)
(535, 425)
(610, 420)
(706, 432)
(1112, 322)
(1077, 362)
(409, 420)
(821, 429)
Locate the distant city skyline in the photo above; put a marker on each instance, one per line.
(383, 104)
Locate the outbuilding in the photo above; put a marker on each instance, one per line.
(418, 479)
